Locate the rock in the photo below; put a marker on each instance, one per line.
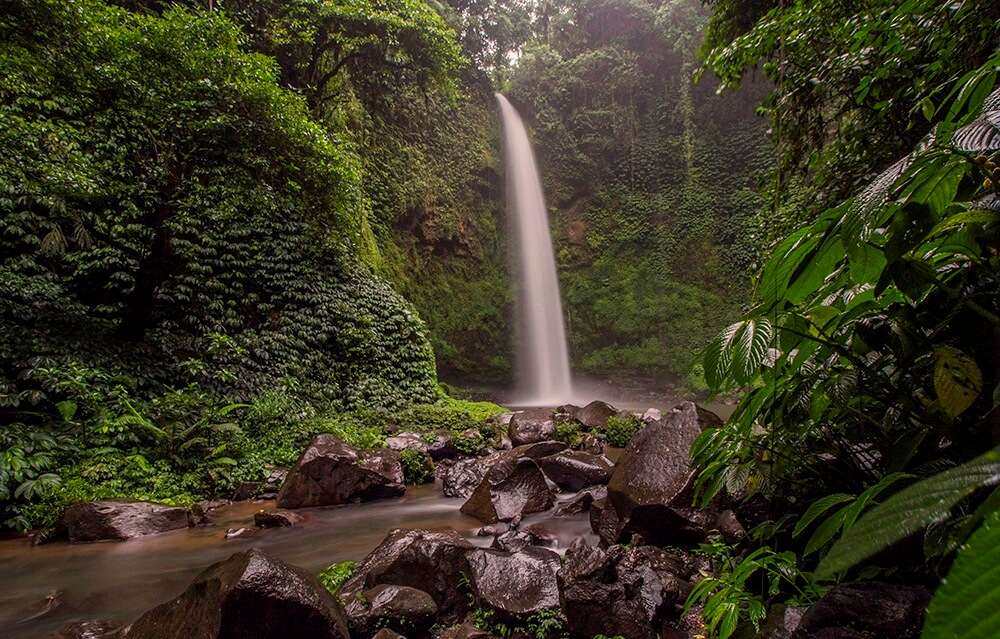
(595, 414)
(492, 530)
(689, 626)
(95, 629)
(730, 527)
(121, 520)
(781, 621)
(399, 608)
(502, 419)
(330, 472)
(276, 519)
(516, 584)
(575, 470)
(581, 502)
(239, 533)
(462, 477)
(530, 427)
(203, 511)
(251, 594)
(246, 491)
(591, 443)
(866, 610)
(465, 631)
(651, 415)
(430, 561)
(628, 592)
(510, 489)
(516, 540)
(385, 633)
(443, 447)
(536, 450)
(275, 478)
(650, 488)
(406, 441)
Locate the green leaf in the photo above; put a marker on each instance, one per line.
(817, 508)
(978, 216)
(826, 531)
(67, 409)
(815, 271)
(908, 511)
(912, 277)
(967, 604)
(866, 262)
(751, 348)
(935, 182)
(957, 380)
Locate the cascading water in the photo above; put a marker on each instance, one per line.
(542, 357)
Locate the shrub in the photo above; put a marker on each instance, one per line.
(417, 467)
(568, 432)
(333, 576)
(620, 430)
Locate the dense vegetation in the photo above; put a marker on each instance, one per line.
(868, 357)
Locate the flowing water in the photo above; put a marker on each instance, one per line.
(44, 587)
(542, 356)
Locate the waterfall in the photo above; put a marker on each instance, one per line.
(542, 357)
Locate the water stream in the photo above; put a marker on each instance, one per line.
(544, 377)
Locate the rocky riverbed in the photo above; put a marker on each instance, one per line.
(569, 537)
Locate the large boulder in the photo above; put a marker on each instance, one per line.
(430, 561)
(515, 584)
(575, 470)
(331, 472)
(866, 610)
(251, 594)
(630, 592)
(529, 427)
(121, 520)
(399, 608)
(511, 488)
(595, 414)
(461, 478)
(650, 488)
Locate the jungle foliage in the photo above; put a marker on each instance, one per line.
(868, 361)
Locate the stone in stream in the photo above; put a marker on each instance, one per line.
(276, 519)
(430, 561)
(581, 502)
(530, 427)
(406, 441)
(399, 608)
(246, 490)
(517, 540)
(595, 414)
(516, 584)
(575, 470)
(330, 472)
(251, 594)
(866, 609)
(122, 520)
(650, 488)
(630, 592)
(591, 443)
(510, 489)
(443, 447)
(239, 533)
(461, 478)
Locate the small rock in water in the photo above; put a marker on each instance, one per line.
(651, 415)
(492, 530)
(246, 490)
(238, 533)
(510, 489)
(581, 502)
(122, 520)
(575, 470)
(93, 629)
(276, 519)
(530, 427)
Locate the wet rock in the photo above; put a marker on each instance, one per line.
(465, 631)
(650, 487)
(568, 410)
(590, 443)
(530, 427)
(581, 502)
(516, 540)
(443, 447)
(276, 519)
(516, 584)
(385, 633)
(688, 626)
(730, 527)
(651, 415)
(629, 592)
(246, 491)
(461, 478)
(203, 511)
(510, 489)
(274, 479)
(492, 530)
(399, 608)
(239, 533)
(781, 621)
(95, 629)
(430, 561)
(121, 520)
(595, 414)
(866, 610)
(575, 470)
(251, 594)
(330, 472)
(604, 521)
(406, 441)
(536, 450)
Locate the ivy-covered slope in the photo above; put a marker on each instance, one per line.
(169, 212)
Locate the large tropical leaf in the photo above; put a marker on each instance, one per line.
(957, 380)
(908, 511)
(967, 604)
(750, 348)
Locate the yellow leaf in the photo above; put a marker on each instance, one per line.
(957, 380)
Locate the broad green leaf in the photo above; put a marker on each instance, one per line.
(957, 380)
(815, 271)
(935, 182)
(908, 511)
(817, 508)
(912, 277)
(978, 216)
(751, 348)
(866, 262)
(826, 531)
(967, 603)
